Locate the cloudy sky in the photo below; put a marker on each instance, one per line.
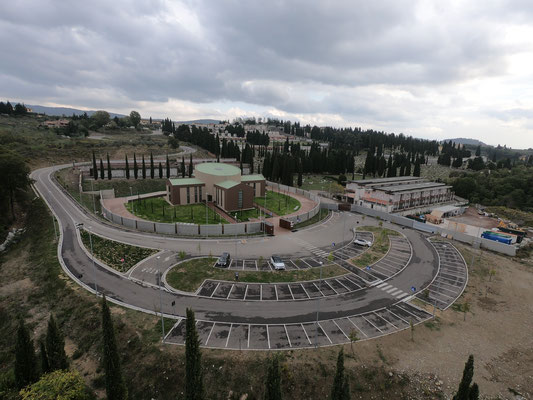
(432, 69)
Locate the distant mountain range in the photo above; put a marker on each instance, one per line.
(472, 142)
(59, 111)
(199, 121)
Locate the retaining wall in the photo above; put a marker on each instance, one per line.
(169, 229)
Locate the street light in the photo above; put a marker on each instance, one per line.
(161, 300)
(132, 202)
(79, 227)
(318, 304)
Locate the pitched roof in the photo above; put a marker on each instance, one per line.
(227, 184)
(252, 178)
(185, 182)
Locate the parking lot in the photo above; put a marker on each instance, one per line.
(451, 278)
(237, 336)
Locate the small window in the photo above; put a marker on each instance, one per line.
(200, 189)
(188, 195)
(196, 194)
(240, 200)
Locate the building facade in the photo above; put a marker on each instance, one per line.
(398, 193)
(219, 183)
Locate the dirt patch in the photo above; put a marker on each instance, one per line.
(471, 217)
(24, 285)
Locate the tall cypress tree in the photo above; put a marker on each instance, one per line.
(183, 167)
(160, 171)
(299, 173)
(108, 168)
(341, 386)
(135, 167)
(190, 166)
(45, 365)
(25, 360)
(194, 385)
(55, 346)
(152, 169)
(273, 382)
(102, 171)
(95, 168)
(463, 393)
(114, 382)
(127, 168)
(416, 171)
(143, 166)
(168, 167)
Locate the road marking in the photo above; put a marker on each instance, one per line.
(317, 288)
(218, 284)
(396, 292)
(386, 287)
(232, 286)
(386, 321)
(383, 284)
(276, 290)
(392, 289)
(356, 327)
(290, 290)
(348, 289)
(229, 334)
(407, 311)
(324, 332)
(340, 329)
(371, 323)
(287, 333)
(397, 316)
(249, 330)
(331, 287)
(305, 332)
(245, 292)
(211, 331)
(268, 336)
(261, 292)
(401, 295)
(305, 291)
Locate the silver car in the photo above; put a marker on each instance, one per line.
(362, 242)
(277, 262)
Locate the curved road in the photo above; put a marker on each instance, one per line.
(419, 273)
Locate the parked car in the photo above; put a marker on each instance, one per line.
(362, 242)
(277, 262)
(223, 261)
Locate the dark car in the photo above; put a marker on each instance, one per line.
(223, 261)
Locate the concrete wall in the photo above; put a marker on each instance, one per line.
(169, 229)
(234, 229)
(210, 230)
(187, 229)
(130, 223)
(253, 227)
(107, 194)
(117, 219)
(145, 226)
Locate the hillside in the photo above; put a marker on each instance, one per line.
(59, 111)
(467, 141)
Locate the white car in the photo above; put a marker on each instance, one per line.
(362, 242)
(277, 262)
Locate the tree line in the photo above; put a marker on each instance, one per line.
(8, 109)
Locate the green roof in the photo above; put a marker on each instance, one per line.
(227, 184)
(185, 182)
(250, 178)
(217, 169)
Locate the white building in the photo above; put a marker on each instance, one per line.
(398, 194)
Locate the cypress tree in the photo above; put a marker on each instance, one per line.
(194, 385)
(300, 173)
(102, 172)
(152, 169)
(464, 387)
(416, 171)
(108, 168)
(114, 382)
(190, 166)
(168, 167)
(55, 346)
(473, 394)
(45, 365)
(25, 360)
(143, 166)
(408, 168)
(95, 168)
(341, 386)
(127, 168)
(135, 167)
(160, 171)
(183, 167)
(273, 382)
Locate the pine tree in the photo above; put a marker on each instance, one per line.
(464, 387)
(127, 168)
(341, 386)
(143, 168)
(95, 168)
(194, 385)
(416, 172)
(190, 166)
(114, 382)
(273, 382)
(152, 169)
(408, 168)
(55, 346)
(300, 173)
(45, 365)
(182, 167)
(168, 167)
(160, 171)
(25, 360)
(102, 172)
(108, 168)
(135, 167)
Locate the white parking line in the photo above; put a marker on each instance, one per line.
(276, 290)
(268, 336)
(218, 284)
(245, 292)
(324, 332)
(339, 282)
(331, 287)
(371, 323)
(407, 311)
(209, 336)
(317, 288)
(260, 292)
(340, 329)
(229, 334)
(290, 290)
(287, 333)
(386, 321)
(356, 327)
(232, 286)
(249, 330)
(305, 332)
(397, 316)
(305, 291)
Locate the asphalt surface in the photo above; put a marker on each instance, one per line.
(421, 269)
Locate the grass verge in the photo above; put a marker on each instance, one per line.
(112, 253)
(278, 203)
(379, 247)
(322, 215)
(189, 275)
(122, 186)
(159, 210)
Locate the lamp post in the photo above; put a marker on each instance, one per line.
(79, 227)
(318, 304)
(132, 202)
(92, 190)
(161, 300)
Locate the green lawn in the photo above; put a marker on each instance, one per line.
(112, 253)
(245, 215)
(189, 275)
(159, 210)
(320, 182)
(69, 180)
(122, 186)
(279, 203)
(379, 247)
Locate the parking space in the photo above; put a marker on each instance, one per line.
(451, 279)
(302, 335)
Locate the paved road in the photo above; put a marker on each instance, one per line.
(422, 267)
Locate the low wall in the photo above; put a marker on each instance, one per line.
(169, 229)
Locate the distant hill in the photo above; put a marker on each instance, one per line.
(199, 121)
(60, 111)
(472, 142)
